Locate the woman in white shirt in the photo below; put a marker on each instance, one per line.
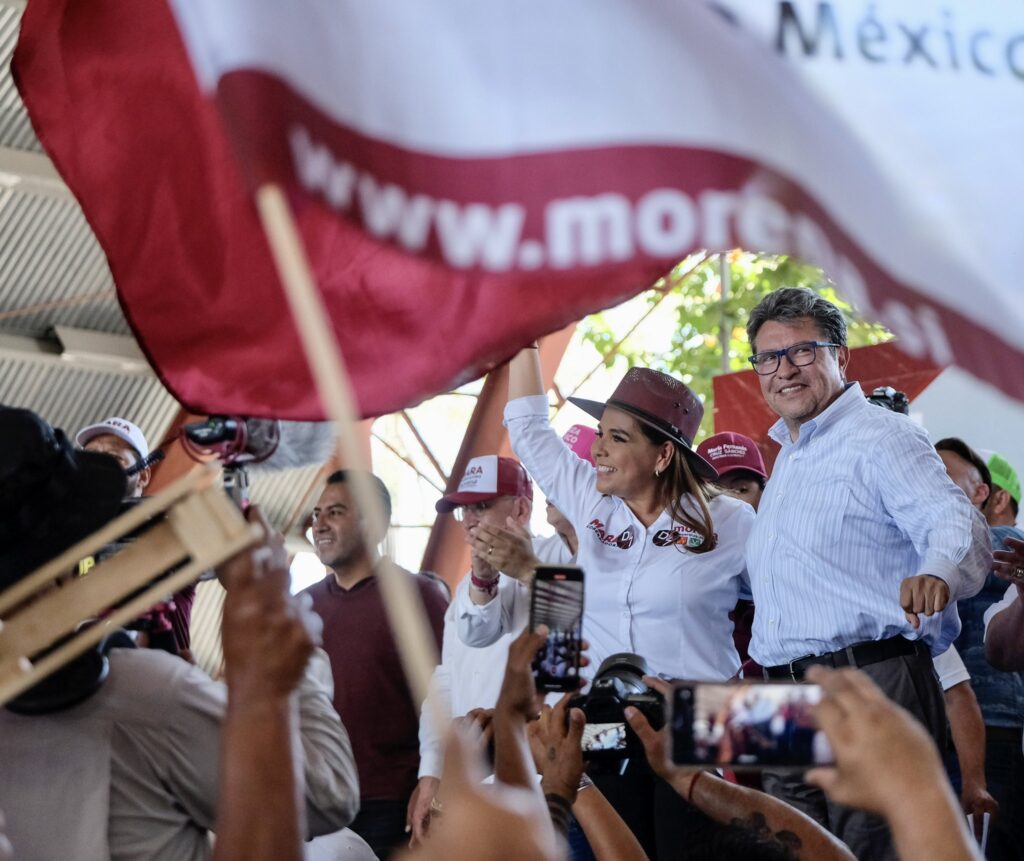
(662, 550)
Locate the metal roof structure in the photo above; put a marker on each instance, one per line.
(66, 350)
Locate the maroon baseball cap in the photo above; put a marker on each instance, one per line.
(661, 402)
(730, 451)
(488, 477)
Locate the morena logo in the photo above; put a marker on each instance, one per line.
(682, 537)
(624, 540)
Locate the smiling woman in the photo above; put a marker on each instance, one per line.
(643, 457)
(656, 539)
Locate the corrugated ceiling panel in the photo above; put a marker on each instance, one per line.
(72, 398)
(205, 627)
(281, 494)
(48, 255)
(15, 128)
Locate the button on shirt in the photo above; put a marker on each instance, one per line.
(857, 504)
(657, 600)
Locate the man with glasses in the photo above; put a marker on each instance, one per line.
(862, 544)
(494, 492)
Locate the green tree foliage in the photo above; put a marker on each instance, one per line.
(692, 292)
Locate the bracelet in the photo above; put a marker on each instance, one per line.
(693, 783)
(585, 782)
(489, 587)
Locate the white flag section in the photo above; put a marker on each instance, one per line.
(880, 141)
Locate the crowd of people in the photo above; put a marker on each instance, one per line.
(863, 562)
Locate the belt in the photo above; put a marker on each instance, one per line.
(857, 655)
(1003, 733)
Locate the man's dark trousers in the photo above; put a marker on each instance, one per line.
(910, 681)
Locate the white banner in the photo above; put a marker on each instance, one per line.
(878, 140)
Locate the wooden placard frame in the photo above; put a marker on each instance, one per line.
(201, 528)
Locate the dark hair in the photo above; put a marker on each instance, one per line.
(964, 451)
(676, 483)
(797, 303)
(341, 476)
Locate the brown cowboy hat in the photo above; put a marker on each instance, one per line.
(661, 402)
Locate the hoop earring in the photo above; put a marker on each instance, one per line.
(657, 472)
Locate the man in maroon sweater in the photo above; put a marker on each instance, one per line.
(370, 689)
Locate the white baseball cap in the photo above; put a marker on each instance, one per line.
(122, 428)
(488, 477)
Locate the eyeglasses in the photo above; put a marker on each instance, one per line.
(798, 355)
(476, 508)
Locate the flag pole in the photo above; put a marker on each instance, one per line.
(401, 601)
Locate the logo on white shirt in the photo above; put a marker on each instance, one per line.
(624, 540)
(680, 536)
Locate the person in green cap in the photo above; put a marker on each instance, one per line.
(1003, 502)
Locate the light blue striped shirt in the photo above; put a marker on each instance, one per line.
(857, 504)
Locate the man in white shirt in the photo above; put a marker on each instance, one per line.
(470, 677)
(493, 490)
(862, 544)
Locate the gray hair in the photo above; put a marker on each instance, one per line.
(795, 303)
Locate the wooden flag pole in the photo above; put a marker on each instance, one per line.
(403, 604)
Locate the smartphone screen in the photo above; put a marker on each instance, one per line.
(604, 737)
(747, 725)
(557, 601)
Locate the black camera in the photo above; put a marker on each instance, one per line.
(619, 683)
(888, 397)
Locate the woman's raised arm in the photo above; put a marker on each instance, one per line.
(524, 376)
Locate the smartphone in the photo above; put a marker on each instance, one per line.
(747, 725)
(557, 601)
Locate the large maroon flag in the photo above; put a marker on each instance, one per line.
(467, 175)
(116, 105)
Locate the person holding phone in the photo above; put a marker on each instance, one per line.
(662, 550)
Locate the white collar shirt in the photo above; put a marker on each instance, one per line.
(860, 502)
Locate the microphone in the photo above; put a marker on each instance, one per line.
(267, 445)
